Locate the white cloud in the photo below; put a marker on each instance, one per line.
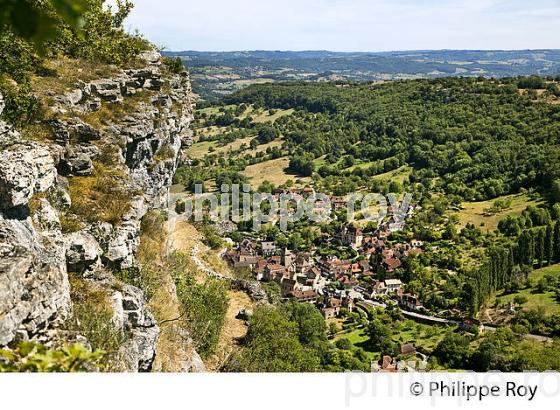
(360, 25)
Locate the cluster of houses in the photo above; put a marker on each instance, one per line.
(389, 364)
(329, 282)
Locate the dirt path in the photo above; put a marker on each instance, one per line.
(185, 238)
(234, 329)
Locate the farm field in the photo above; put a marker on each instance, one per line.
(273, 171)
(474, 212)
(200, 149)
(536, 300)
(400, 175)
(264, 116)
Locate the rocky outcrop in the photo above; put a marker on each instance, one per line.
(121, 242)
(34, 287)
(82, 252)
(25, 169)
(35, 255)
(132, 316)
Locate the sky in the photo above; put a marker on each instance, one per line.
(347, 25)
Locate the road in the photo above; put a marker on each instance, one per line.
(442, 321)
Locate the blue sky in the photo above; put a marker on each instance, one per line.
(348, 25)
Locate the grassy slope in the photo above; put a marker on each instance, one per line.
(423, 337)
(273, 171)
(535, 300)
(473, 212)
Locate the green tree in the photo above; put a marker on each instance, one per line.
(38, 21)
(267, 134)
(540, 253)
(302, 165)
(272, 345)
(311, 325)
(450, 232)
(549, 244)
(555, 191)
(344, 344)
(453, 351)
(556, 242)
(526, 248)
(380, 337)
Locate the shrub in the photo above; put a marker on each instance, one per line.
(101, 38)
(165, 153)
(174, 65)
(343, 344)
(93, 318)
(272, 345)
(21, 105)
(520, 299)
(203, 306)
(33, 357)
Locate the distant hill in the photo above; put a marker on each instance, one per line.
(216, 74)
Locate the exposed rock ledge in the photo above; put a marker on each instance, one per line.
(35, 256)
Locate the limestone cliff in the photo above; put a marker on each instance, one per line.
(72, 204)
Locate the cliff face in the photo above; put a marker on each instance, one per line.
(125, 130)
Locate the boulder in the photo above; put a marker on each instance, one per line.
(139, 352)
(245, 314)
(72, 98)
(85, 132)
(93, 105)
(8, 135)
(82, 251)
(151, 57)
(123, 241)
(25, 169)
(78, 164)
(107, 89)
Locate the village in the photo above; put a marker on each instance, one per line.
(327, 281)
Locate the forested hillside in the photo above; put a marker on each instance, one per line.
(474, 138)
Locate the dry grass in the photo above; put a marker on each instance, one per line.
(262, 148)
(235, 145)
(273, 171)
(200, 149)
(165, 153)
(114, 112)
(93, 318)
(100, 197)
(173, 348)
(233, 330)
(264, 116)
(474, 212)
(211, 131)
(66, 72)
(184, 238)
(37, 132)
(399, 175)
